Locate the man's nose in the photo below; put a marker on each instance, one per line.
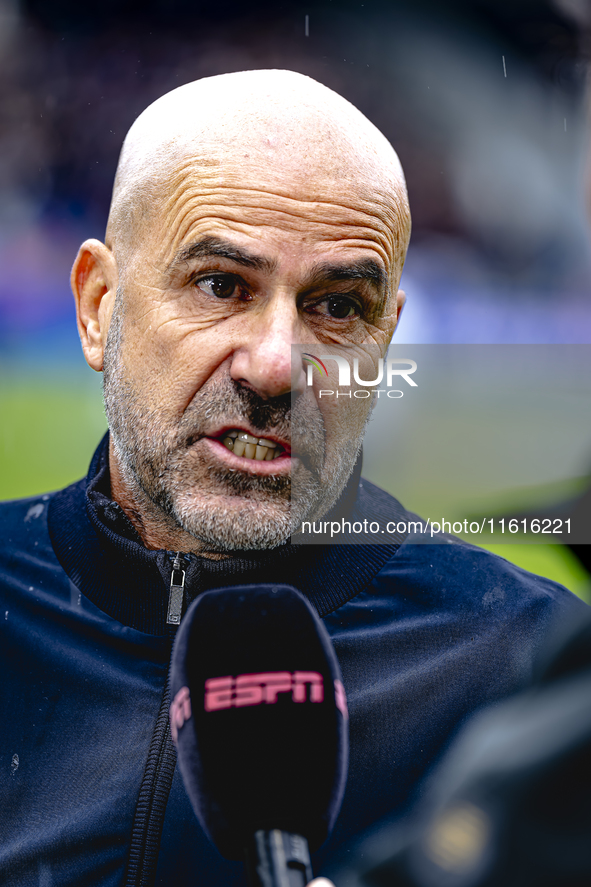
(262, 360)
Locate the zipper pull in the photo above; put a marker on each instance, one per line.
(176, 595)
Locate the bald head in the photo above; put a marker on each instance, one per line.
(271, 130)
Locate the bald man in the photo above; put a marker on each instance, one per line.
(251, 212)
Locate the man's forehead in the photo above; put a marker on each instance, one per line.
(310, 166)
(273, 139)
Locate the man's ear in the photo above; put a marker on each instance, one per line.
(400, 302)
(94, 284)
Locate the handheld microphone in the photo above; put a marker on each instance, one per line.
(259, 718)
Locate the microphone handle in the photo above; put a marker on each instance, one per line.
(278, 859)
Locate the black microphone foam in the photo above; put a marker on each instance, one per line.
(259, 716)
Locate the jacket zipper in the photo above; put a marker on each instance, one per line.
(176, 595)
(160, 764)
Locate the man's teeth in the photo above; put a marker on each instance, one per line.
(258, 448)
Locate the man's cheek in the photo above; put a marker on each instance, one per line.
(168, 369)
(344, 416)
(340, 423)
(344, 409)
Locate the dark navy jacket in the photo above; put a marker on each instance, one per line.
(425, 634)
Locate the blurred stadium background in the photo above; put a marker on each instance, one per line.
(483, 99)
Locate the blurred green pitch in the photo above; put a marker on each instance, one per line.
(49, 428)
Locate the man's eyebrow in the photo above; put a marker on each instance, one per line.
(214, 247)
(364, 269)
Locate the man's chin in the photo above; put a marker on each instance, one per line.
(235, 526)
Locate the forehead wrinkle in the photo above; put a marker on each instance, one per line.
(194, 187)
(191, 210)
(190, 187)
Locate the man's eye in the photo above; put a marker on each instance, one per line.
(339, 307)
(222, 286)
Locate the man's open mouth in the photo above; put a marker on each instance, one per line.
(258, 448)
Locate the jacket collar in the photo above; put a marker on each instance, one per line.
(103, 555)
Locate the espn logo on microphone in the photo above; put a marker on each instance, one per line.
(265, 687)
(254, 689)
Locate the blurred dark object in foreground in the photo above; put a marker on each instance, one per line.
(581, 516)
(510, 805)
(578, 511)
